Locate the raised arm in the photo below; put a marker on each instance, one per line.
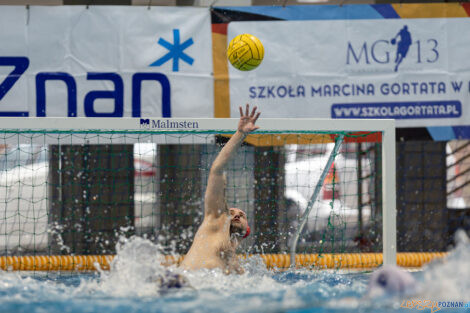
(215, 204)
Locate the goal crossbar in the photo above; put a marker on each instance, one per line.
(200, 124)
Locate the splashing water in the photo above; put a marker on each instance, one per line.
(130, 287)
(449, 279)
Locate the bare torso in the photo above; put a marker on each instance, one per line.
(212, 247)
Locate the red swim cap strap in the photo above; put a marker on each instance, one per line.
(248, 230)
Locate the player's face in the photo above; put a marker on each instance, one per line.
(238, 221)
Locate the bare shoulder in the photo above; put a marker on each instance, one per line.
(212, 223)
(207, 244)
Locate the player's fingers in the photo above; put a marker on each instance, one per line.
(256, 117)
(241, 111)
(253, 112)
(247, 109)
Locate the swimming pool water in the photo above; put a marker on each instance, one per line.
(127, 288)
(273, 292)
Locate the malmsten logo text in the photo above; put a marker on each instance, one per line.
(168, 124)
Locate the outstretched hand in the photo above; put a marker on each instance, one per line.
(247, 121)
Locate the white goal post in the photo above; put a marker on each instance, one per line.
(222, 125)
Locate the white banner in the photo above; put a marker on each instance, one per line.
(105, 61)
(416, 71)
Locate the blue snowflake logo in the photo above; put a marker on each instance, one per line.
(175, 51)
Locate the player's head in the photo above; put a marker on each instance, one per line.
(239, 223)
(391, 280)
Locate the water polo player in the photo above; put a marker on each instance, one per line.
(222, 229)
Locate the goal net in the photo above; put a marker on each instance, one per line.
(73, 186)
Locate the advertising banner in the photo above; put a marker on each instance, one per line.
(416, 71)
(105, 61)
